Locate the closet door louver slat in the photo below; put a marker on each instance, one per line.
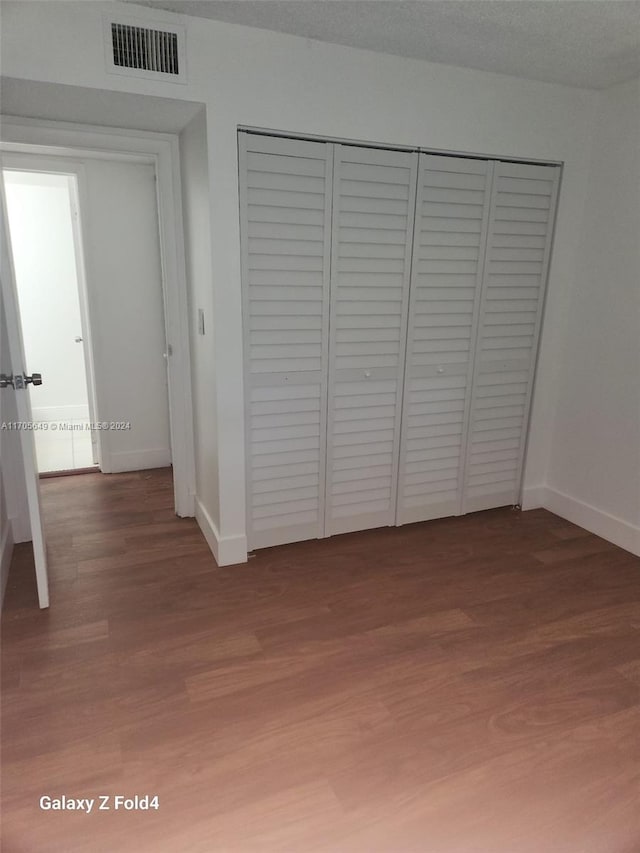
(518, 248)
(452, 212)
(285, 205)
(373, 209)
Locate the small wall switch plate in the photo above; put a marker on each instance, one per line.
(200, 321)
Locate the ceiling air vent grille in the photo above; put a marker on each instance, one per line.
(145, 49)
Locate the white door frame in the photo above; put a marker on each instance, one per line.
(73, 141)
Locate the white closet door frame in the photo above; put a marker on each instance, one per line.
(364, 378)
(289, 379)
(413, 372)
(518, 170)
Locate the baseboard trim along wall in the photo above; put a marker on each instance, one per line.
(6, 552)
(227, 550)
(60, 413)
(138, 460)
(595, 520)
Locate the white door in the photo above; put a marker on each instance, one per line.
(452, 212)
(523, 203)
(427, 332)
(373, 210)
(17, 371)
(285, 204)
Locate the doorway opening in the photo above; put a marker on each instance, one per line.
(89, 281)
(131, 363)
(43, 212)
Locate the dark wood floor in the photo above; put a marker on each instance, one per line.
(469, 685)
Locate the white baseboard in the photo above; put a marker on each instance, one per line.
(227, 550)
(60, 413)
(138, 460)
(6, 552)
(609, 527)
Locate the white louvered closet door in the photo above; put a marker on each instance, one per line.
(373, 209)
(452, 212)
(285, 206)
(518, 247)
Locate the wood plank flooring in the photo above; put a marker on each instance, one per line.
(468, 685)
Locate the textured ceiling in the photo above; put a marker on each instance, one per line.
(589, 43)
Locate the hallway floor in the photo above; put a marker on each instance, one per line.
(469, 685)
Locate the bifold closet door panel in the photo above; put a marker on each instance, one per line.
(518, 248)
(373, 209)
(285, 208)
(452, 212)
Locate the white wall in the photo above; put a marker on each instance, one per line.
(277, 82)
(263, 79)
(197, 228)
(594, 467)
(124, 284)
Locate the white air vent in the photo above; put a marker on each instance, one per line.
(143, 51)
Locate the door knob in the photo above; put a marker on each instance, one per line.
(78, 339)
(20, 381)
